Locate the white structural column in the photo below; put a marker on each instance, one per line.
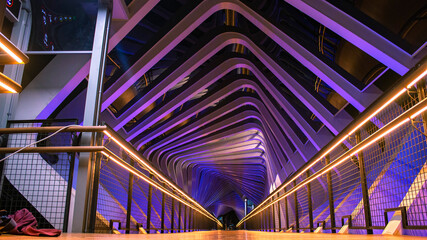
(84, 205)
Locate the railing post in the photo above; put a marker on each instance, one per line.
(172, 216)
(310, 203)
(129, 204)
(179, 217)
(421, 89)
(185, 218)
(191, 221)
(273, 216)
(268, 219)
(296, 208)
(163, 212)
(279, 214)
(286, 211)
(363, 182)
(331, 197)
(150, 194)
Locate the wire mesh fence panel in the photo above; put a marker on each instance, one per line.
(39, 182)
(404, 182)
(176, 217)
(264, 220)
(391, 169)
(283, 212)
(190, 220)
(319, 192)
(182, 217)
(156, 209)
(168, 212)
(347, 191)
(112, 195)
(186, 210)
(277, 222)
(139, 202)
(389, 172)
(291, 210)
(303, 215)
(339, 150)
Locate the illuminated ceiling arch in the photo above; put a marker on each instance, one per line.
(224, 135)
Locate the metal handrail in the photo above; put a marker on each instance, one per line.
(418, 108)
(406, 80)
(52, 129)
(183, 197)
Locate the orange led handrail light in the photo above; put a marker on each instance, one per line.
(410, 79)
(148, 180)
(7, 85)
(154, 171)
(148, 166)
(13, 54)
(390, 127)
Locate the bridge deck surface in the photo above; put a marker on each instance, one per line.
(217, 235)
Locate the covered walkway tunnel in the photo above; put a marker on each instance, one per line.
(240, 119)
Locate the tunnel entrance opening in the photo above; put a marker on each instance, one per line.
(230, 220)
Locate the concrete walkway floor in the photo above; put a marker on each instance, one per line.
(217, 235)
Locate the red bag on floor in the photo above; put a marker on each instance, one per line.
(25, 224)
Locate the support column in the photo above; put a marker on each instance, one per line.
(84, 215)
(273, 216)
(130, 197)
(364, 184)
(287, 212)
(279, 214)
(268, 218)
(150, 195)
(310, 203)
(421, 89)
(296, 208)
(331, 197)
(163, 213)
(185, 218)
